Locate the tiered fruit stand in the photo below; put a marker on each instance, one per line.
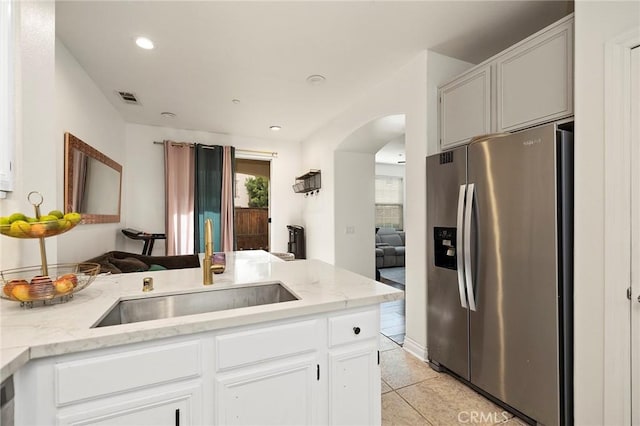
(44, 284)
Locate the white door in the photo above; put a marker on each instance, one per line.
(635, 236)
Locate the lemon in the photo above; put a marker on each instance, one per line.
(4, 220)
(48, 218)
(17, 216)
(31, 219)
(73, 217)
(19, 228)
(57, 213)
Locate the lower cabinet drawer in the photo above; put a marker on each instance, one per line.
(122, 371)
(255, 345)
(353, 327)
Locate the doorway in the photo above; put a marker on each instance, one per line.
(252, 206)
(389, 221)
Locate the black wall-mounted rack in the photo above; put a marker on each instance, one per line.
(308, 182)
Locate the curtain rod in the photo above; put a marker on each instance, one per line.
(246, 151)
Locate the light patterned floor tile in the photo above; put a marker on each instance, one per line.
(400, 369)
(445, 401)
(384, 387)
(396, 412)
(387, 344)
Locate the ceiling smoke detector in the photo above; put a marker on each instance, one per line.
(128, 98)
(167, 114)
(316, 79)
(275, 128)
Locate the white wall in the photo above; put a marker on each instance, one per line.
(355, 221)
(145, 180)
(403, 93)
(35, 153)
(595, 23)
(82, 110)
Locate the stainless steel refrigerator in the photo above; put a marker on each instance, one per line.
(499, 310)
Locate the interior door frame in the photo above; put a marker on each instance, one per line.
(617, 224)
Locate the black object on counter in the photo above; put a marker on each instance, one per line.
(296, 243)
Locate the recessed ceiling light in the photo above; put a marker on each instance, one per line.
(167, 114)
(316, 79)
(144, 43)
(235, 101)
(275, 128)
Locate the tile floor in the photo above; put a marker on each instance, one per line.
(392, 316)
(414, 394)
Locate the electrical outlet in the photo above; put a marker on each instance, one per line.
(350, 229)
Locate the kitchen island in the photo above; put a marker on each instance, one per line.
(308, 361)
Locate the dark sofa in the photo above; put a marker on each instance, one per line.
(118, 262)
(389, 248)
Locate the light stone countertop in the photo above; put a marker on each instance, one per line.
(66, 327)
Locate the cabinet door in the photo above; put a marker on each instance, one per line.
(274, 393)
(535, 79)
(354, 385)
(161, 409)
(465, 106)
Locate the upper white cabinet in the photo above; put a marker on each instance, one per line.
(464, 107)
(535, 79)
(527, 84)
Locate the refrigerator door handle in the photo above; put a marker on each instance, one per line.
(467, 246)
(459, 239)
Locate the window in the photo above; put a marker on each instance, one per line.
(7, 122)
(389, 202)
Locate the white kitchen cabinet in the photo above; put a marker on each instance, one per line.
(154, 383)
(270, 375)
(311, 370)
(284, 392)
(465, 105)
(354, 371)
(528, 84)
(165, 408)
(535, 79)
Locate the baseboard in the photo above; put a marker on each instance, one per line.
(415, 349)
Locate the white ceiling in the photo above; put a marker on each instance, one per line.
(209, 53)
(392, 152)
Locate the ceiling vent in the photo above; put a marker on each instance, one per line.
(128, 98)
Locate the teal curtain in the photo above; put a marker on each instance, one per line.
(208, 190)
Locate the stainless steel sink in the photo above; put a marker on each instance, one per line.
(176, 305)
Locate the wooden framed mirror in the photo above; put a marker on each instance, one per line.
(92, 182)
